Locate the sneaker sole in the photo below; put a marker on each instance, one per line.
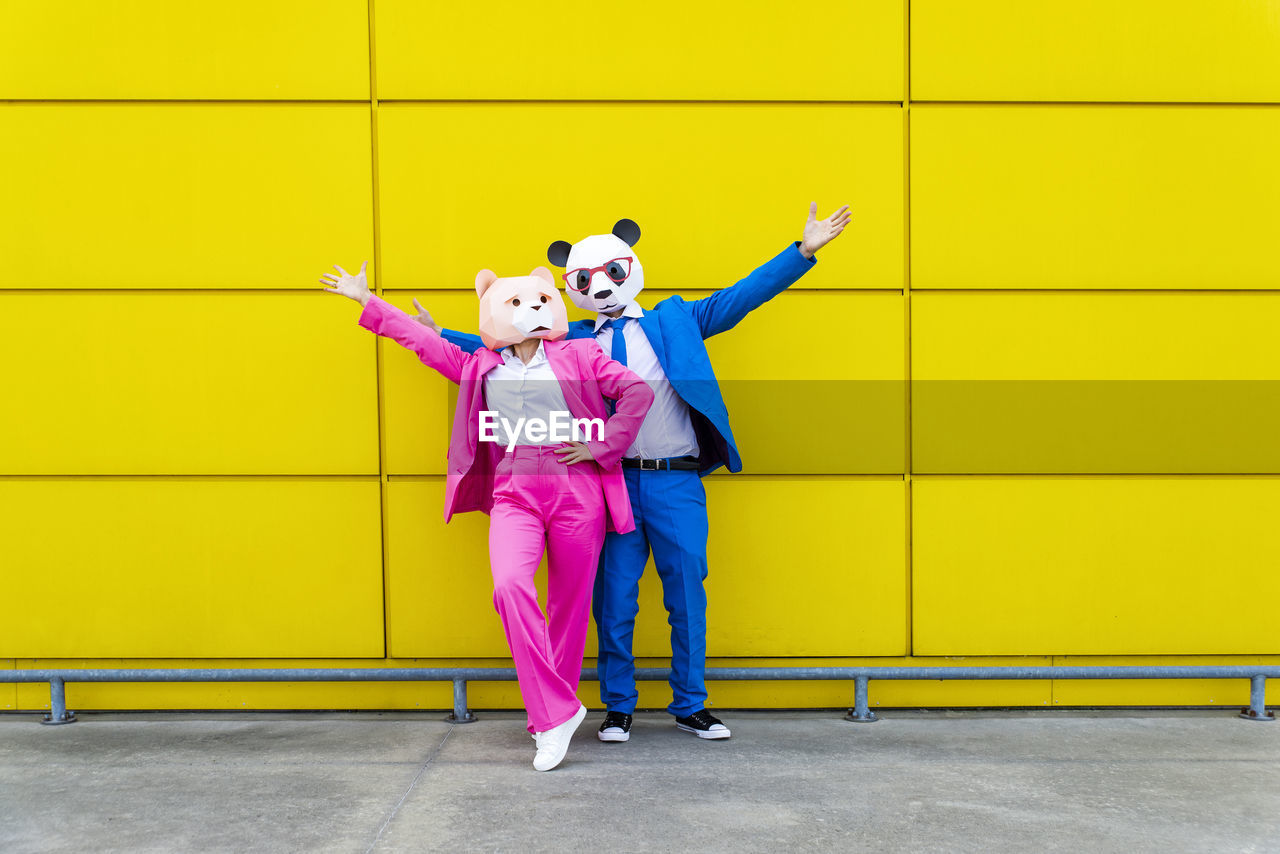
(613, 736)
(724, 733)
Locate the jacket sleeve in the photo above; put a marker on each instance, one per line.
(633, 397)
(468, 342)
(382, 318)
(724, 309)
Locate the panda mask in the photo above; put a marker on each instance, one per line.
(602, 272)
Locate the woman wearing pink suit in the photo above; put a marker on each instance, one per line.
(564, 495)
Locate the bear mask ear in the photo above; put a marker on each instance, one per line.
(558, 253)
(627, 231)
(544, 274)
(484, 279)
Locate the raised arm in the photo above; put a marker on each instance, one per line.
(464, 341)
(468, 342)
(382, 318)
(726, 308)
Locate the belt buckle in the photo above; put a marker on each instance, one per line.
(649, 465)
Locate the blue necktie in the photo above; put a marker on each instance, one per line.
(619, 346)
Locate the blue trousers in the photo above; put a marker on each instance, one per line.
(670, 509)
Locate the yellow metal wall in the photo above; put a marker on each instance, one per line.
(1064, 237)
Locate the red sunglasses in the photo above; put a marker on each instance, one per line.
(579, 278)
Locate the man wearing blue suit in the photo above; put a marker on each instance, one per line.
(684, 437)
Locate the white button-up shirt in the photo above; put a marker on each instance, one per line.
(515, 390)
(667, 431)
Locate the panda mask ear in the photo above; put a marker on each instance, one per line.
(558, 253)
(627, 231)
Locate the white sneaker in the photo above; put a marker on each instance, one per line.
(553, 744)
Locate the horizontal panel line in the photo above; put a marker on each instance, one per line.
(479, 101)
(1094, 290)
(896, 102)
(882, 476)
(958, 103)
(641, 101)
(405, 288)
(193, 290)
(1095, 475)
(467, 289)
(220, 101)
(833, 289)
(373, 478)
(693, 287)
(863, 102)
(827, 290)
(744, 476)
(357, 478)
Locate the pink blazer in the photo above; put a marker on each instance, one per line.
(586, 376)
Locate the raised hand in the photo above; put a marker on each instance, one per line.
(424, 317)
(348, 285)
(819, 232)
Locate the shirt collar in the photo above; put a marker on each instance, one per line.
(631, 309)
(509, 356)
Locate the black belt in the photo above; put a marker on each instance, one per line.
(676, 463)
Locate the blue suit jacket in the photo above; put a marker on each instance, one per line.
(676, 328)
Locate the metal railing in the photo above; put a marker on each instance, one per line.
(460, 676)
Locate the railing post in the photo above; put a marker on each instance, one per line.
(58, 713)
(861, 712)
(1257, 709)
(461, 714)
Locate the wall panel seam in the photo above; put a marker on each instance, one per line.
(1121, 104)
(906, 311)
(832, 290)
(355, 478)
(90, 102)
(598, 102)
(1094, 290)
(896, 102)
(1050, 475)
(377, 344)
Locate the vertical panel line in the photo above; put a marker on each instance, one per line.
(377, 344)
(906, 304)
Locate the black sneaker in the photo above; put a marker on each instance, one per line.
(616, 727)
(703, 724)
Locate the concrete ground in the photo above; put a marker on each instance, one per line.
(1102, 781)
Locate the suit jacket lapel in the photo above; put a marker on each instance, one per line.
(486, 360)
(565, 367)
(652, 328)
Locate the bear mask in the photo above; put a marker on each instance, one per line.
(520, 307)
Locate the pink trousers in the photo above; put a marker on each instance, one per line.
(539, 502)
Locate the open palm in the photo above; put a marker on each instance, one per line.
(348, 285)
(819, 232)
